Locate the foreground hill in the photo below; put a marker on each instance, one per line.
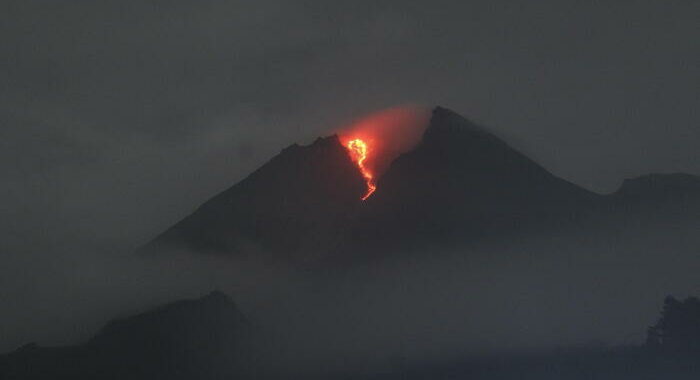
(205, 338)
(208, 338)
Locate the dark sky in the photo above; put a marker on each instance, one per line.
(117, 118)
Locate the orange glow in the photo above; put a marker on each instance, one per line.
(374, 140)
(359, 151)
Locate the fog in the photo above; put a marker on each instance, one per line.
(118, 118)
(540, 292)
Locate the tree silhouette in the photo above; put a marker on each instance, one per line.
(678, 329)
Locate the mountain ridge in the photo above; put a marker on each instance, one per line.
(459, 183)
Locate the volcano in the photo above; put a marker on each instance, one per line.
(460, 183)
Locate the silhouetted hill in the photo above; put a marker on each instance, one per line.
(202, 338)
(208, 338)
(658, 189)
(661, 186)
(651, 200)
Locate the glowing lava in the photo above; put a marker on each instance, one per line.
(359, 151)
(374, 140)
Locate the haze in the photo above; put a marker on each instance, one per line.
(118, 118)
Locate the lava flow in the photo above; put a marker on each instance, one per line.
(359, 151)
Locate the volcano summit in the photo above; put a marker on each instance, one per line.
(460, 183)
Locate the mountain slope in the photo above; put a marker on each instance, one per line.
(294, 201)
(462, 182)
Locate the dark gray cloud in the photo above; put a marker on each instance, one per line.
(119, 117)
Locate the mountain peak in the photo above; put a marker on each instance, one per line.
(446, 124)
(217, 296)
(328, 142)
(445, 116)
(448, 130)
(462, 182)
(460, 179)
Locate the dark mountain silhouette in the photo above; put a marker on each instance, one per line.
(460, 183)
(298, 199)
(202, 338)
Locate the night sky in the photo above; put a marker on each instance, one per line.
(118, 118)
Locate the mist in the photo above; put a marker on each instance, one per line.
(119, 118)
(518, 294)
